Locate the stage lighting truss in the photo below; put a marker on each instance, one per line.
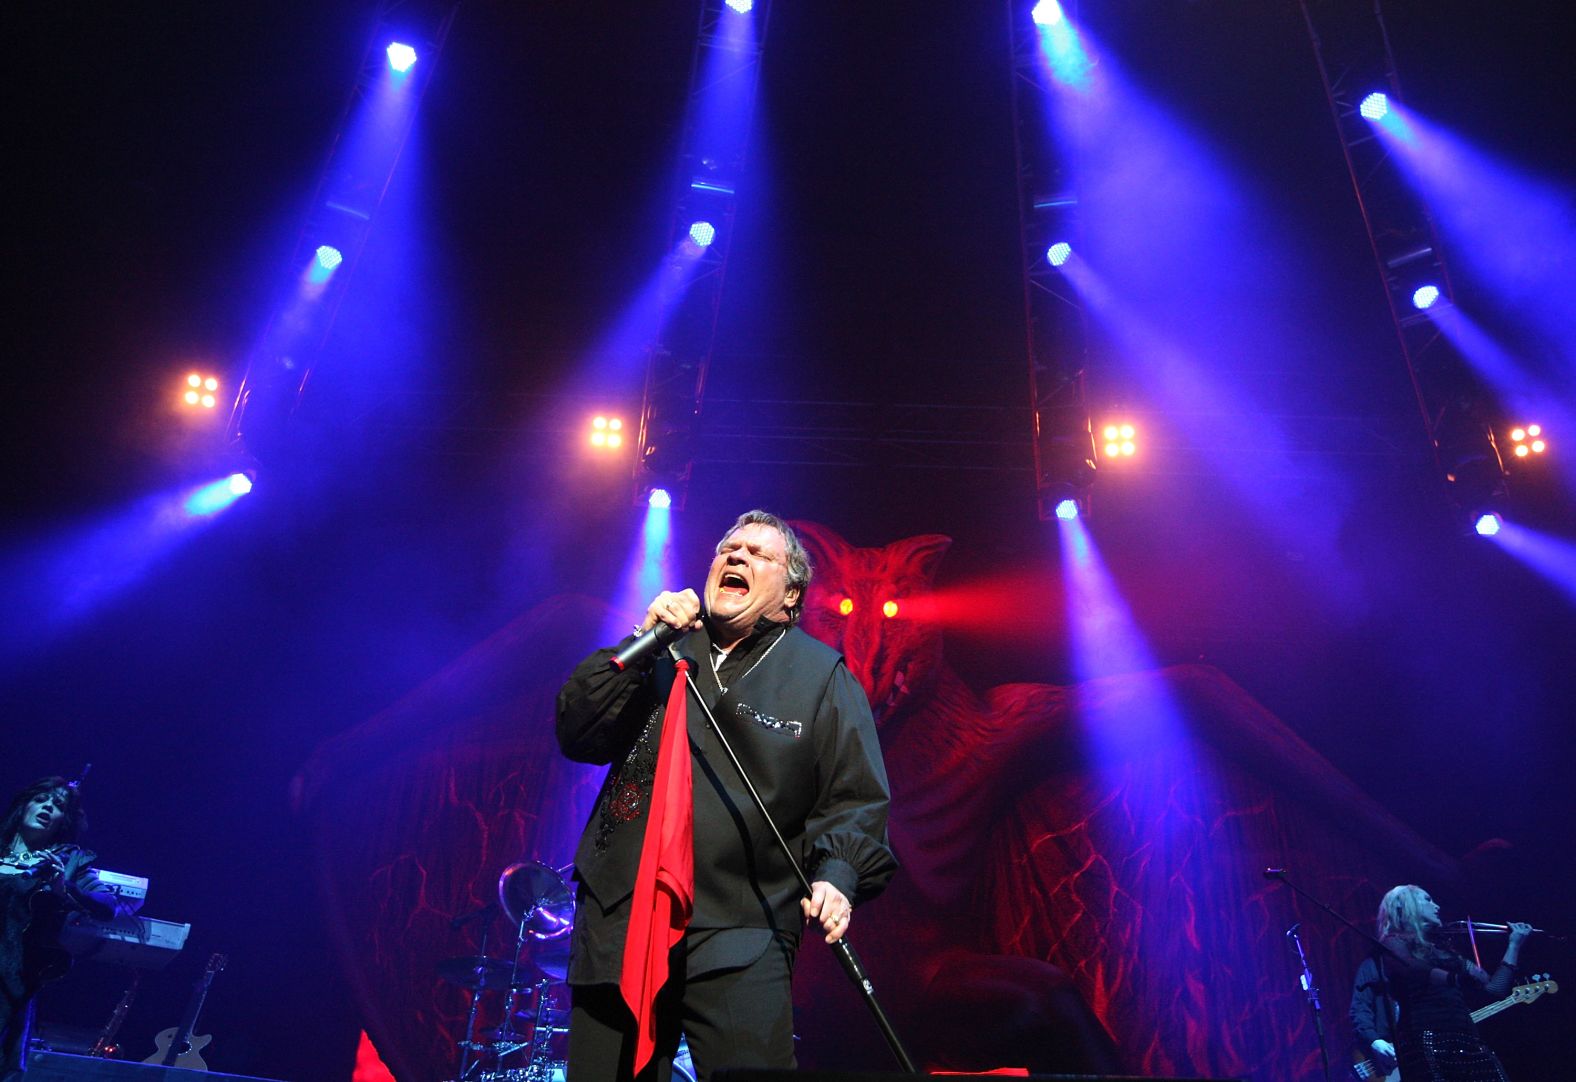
(385, 97)
(200, 391)
(1416, 278)
(1528, 442)
(607, 433)
(1118, 441)
(725, 72)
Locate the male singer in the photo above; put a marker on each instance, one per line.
(801, 726)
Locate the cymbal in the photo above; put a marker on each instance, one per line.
(475, 971)
(537, 900)
(551, 956)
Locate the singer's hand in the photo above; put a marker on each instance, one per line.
(680, 610)
(829, 905)
(1519, 930)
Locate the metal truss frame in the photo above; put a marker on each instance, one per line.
(1351, 46)
(343, 206)
(677, 365)
(1055, 323)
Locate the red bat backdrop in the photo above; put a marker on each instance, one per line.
(1081, 887)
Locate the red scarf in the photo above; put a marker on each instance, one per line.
(664, 897)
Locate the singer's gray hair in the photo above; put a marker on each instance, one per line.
(799, 570)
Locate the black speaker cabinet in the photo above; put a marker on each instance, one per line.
(60, 1067)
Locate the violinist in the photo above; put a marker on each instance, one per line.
(1436, 1039)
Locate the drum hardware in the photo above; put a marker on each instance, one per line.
(540, 904)
(479, 972)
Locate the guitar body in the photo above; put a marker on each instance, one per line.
(1364, 1068)
(190, 1059)
(176, 1045)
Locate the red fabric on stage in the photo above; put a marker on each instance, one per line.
(664, 898)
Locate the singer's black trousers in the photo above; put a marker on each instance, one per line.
(740, 1017)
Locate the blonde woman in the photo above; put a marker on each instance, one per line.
(1436, 1040)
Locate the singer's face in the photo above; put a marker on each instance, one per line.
(1427, 908)
(748, 581)
(43, 818)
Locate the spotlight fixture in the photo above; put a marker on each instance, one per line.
(401, 57)
(1425, 297)
(1059, 253)
(1067, 509)
(201, 391)
(1488, 524)
(1527, 440)
(659, 498)
(703, 233)
(607, 432)
(1121, 440)
(1047, 13)
(1374, 107)
(743, 7)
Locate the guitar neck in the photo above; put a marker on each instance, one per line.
(1493, 1008)
(183, 1035)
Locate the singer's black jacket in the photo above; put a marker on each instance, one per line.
(802, 728)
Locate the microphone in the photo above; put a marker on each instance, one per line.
(1292, 931)
(646, 643)
(1274, 873)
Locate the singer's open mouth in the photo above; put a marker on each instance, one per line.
(733, 584)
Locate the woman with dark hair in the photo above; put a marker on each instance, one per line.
(44, 874)
(1436, 1040)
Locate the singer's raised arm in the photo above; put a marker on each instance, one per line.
(601, 710)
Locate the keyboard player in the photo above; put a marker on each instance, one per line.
(44, 876)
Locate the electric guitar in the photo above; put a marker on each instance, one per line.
(1364, 1068)
(176, 1045)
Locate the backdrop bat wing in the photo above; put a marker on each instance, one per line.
(1081, 865)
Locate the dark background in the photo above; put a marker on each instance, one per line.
(160, 159)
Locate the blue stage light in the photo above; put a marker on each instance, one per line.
(743, 7)
(1067, 510)
(401, 57)
(1424, 297)
(1488, 525)
(703, 233)
(328, 258)
(659, 498)
(1058, 253)
(212, 498)
(1374, 107)
(1047, 13)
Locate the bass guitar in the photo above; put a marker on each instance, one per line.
(1364, 1068)
(176, 1045)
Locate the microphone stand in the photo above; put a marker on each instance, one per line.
(1313, 997)
(842, 949)
(1279, 874)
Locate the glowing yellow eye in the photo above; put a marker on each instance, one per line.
(889, 610)
(845, 606)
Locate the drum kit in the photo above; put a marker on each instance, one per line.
(528, 1045)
